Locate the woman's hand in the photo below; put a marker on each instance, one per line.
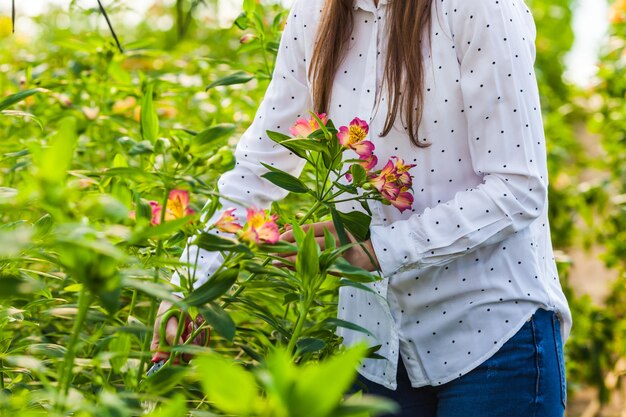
(357, 255)
(171, 328)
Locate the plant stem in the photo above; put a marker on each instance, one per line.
(84, 301)
(153, 302)
(299, 324)
(267, 64)
(106, 17)
(311, 212)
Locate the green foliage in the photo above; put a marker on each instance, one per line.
(93, 139)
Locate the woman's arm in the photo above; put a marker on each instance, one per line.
(494, 44)
(287, 97)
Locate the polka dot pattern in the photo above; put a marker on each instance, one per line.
(472, 259)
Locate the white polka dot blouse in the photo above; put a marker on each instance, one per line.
(472, 260)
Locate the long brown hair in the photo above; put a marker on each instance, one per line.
(408, 25)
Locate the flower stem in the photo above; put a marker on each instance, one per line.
(84, 301)
(304, 312)
(153, 303)
(310, 213)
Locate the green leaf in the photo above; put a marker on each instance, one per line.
(17, 113)
(141, 148)
(309, 345)
(227, 385)
(239, 77)
(173, 407)
(284, 141)
(249, 6)
(219, 319)
(242, 21)
(320, 387)
(358, 223)
(12, 285)
(213, 243)
(149, 118)
(286, 182)
(307, 259)
(359, 175)
(164, 229)
(17, 97)
(164, 381)
(120, 347)
(332, 323)
(329, 240)
(349, 283)
(212, 134)
(339, 227)
(216, 286)
(347, 270)
(57, 158)
(369, 405)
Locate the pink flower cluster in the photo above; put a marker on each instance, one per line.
(392, 182)
(260, 227)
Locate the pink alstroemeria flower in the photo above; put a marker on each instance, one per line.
(260, 227)
(405, 180)
(393, 183)
(403, 201)
(369, 163)
(385, 178)
(227, 222)
(303, 128)
(353, 137)
(177, 207)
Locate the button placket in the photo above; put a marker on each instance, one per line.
(368, 92)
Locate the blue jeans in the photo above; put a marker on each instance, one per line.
(525, 378)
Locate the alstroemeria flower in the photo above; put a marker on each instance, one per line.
(403, 201)
(260, 227)
(177, 207)
(303, 128)
(393, 183)
(227, 222)
(369, 163)
(386, 177)
(353, 137)
(156, 212)
(402, 172)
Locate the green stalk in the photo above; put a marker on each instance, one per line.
(153, 302)
(267, 64)
(304, 312)
(311, 212)
(1, 374)
(84, 301)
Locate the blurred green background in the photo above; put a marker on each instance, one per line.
(93, 93)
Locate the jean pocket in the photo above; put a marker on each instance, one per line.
(558, 345)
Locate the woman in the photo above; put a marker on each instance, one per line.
(470, 315)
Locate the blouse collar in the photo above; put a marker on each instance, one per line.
(368, 5)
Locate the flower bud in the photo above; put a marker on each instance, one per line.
(247, 38)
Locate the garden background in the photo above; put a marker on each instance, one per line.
(93, 131)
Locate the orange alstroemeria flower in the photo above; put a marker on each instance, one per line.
(260, 227)
(227, 222)
(177, 207)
